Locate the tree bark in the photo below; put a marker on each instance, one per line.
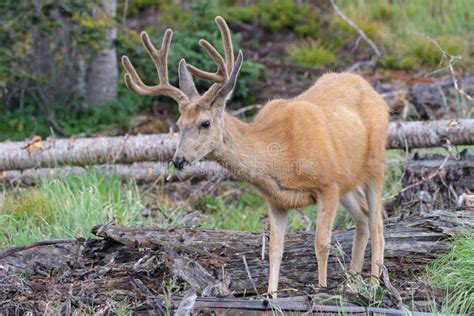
(84, 151)
(102, 71)
(130, 149)
(139, 171)
(410, 244)
(409, 135)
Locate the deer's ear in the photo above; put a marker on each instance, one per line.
(186, 83)
(226, 91)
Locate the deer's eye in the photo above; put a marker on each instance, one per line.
(206, 124)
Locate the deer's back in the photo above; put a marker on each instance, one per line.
(326, 133)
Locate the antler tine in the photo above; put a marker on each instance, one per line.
(160, 59)
(224, 67)
(221, 74)
(227, 43)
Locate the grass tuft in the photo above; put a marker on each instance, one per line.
(312, 53)
(454, 272)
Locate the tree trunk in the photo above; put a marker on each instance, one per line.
(139, 171)
(129, 149)
(84, 151)
(409, 135)
(102, 71)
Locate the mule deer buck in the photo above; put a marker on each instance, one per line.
(325, 145)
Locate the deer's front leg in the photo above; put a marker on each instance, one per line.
(327, 207)
(278, 221)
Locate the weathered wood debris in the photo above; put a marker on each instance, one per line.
(133, 263)
(429, 100)
(438, 181)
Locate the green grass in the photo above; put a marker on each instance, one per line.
(312, 53)
(454, 272)
(66, 208)
(392, 24)
(244, 212)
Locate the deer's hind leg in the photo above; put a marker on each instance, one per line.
(354, 204)
(327, 207)
(373, 193)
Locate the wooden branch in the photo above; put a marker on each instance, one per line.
(129, 149)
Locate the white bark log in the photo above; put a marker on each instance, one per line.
(86, 151)
(421, 134)
(139, 171)
(130, 149)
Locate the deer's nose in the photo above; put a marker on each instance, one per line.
(179, 162)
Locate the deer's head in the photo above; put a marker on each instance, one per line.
(200, 123)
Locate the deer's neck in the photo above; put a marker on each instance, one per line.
(240, 151)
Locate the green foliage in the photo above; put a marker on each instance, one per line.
(312, 53)
(65, 208)
(392, 25)
(454, 272)
(137, 6)
(277, 15)
(110, 117)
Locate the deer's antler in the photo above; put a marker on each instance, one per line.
(160, 58)
(225, 67)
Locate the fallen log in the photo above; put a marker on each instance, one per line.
(86, 151)
(130, 149)
(408, 135)
(139, 171)
(411, 243)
